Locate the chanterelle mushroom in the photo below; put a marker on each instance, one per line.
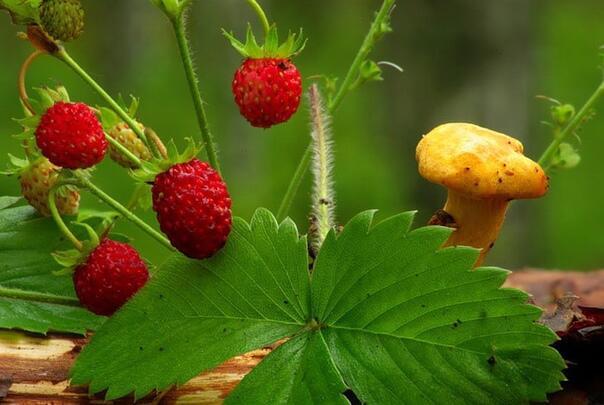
(483, 171)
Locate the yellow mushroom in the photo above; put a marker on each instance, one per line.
(483, 171)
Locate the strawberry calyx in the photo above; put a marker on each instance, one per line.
(72, 258)
(150, 169)
(47, 97)
(293, 45)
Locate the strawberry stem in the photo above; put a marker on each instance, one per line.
(52, 205)
(19, 294)
(546, 158)
(63, 56)
(261, 15)
(377, 27)
(185, 53)
(123, 150)
(125, 212)
(21, 80)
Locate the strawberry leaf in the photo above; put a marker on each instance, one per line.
(388, 314)
(32, 298)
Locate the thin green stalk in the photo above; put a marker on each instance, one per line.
(546, 158)
(344, 88)
(52, 205)
(261, 15)
(294, 184)
(123, 150)
(125, 212)
(362, 54)
(16, 293)
(187, 60)
(63, 56)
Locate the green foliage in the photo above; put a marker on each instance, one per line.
(388, 314)
(567, 157)
(32, 298)
(22, 12)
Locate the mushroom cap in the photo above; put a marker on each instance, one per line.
(479, 163)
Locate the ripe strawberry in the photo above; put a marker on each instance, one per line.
(124, 135)
(62, 20)
(267, 90)
(111, 275)
(193, 208)
(36, 181)
(70, 135)
(267, 86)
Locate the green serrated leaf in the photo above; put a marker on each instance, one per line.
(245, 297)
(301, 371)
(388, 314)
(32, 298)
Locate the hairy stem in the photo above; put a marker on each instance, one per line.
(52, 205)
(187, 60)
(63, 56)
(546, 158)
(261, 15)
(344, 88)
(21, 80)
(18, 294)
(125, 212)
(323, 195)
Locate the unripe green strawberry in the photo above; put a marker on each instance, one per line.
(125, 136)
(62, 20)
(36, 181)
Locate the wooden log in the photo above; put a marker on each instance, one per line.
(34, 369)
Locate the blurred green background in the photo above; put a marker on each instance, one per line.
(464, 60)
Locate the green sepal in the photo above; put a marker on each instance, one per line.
(293, 45)
(108, 118)
(22, 12)
(149, 169)
(562, 114)
(88, 214)
(172, 8)
(47, 97)
(15, 165)
(72, 258)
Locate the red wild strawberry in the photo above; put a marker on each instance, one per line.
(71, 136)
(268, 86)
(111, 275)
(193, 208)
(267, 91)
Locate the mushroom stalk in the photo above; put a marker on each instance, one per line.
(477, 222)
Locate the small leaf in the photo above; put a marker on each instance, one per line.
(32, 298)
(567, 157)
(87, 214)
